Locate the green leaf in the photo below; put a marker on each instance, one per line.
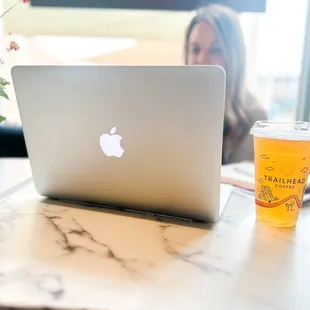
(3, 94)
(3, 82)
(2, 118)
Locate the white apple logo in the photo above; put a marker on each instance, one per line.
(110, 144)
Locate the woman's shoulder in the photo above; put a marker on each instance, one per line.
(255, 112)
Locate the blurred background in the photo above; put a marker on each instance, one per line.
(275, 34)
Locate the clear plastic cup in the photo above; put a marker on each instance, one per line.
(282, 163)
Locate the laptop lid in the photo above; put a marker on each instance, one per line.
(144, 138)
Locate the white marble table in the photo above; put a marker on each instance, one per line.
(59, 255)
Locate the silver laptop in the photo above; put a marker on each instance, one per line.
(147, 139)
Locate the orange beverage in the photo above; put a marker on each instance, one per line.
(282, 163)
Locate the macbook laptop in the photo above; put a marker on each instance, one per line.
(142, 138)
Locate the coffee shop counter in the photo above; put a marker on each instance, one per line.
(65, 256)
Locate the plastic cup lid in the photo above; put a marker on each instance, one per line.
(292, 131)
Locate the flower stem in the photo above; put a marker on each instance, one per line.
(9, 9)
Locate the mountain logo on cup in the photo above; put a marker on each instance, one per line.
(266, 194)
(266, 199)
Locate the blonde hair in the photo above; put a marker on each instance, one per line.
(226, 25)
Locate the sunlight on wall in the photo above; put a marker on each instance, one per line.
(279, 37)
(274, 42)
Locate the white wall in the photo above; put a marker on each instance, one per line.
(27, 20)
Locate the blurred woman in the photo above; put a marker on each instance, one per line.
(214, 37)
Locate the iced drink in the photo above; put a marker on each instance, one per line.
(282, 162)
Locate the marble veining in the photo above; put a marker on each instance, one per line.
(69, 247)
(188, 257)
(56, 255)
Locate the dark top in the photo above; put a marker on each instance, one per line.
(225, 133)
(12, 142)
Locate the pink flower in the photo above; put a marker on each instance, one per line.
(26, 1)
(14, 46)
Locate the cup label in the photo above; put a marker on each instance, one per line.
(281, 181)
